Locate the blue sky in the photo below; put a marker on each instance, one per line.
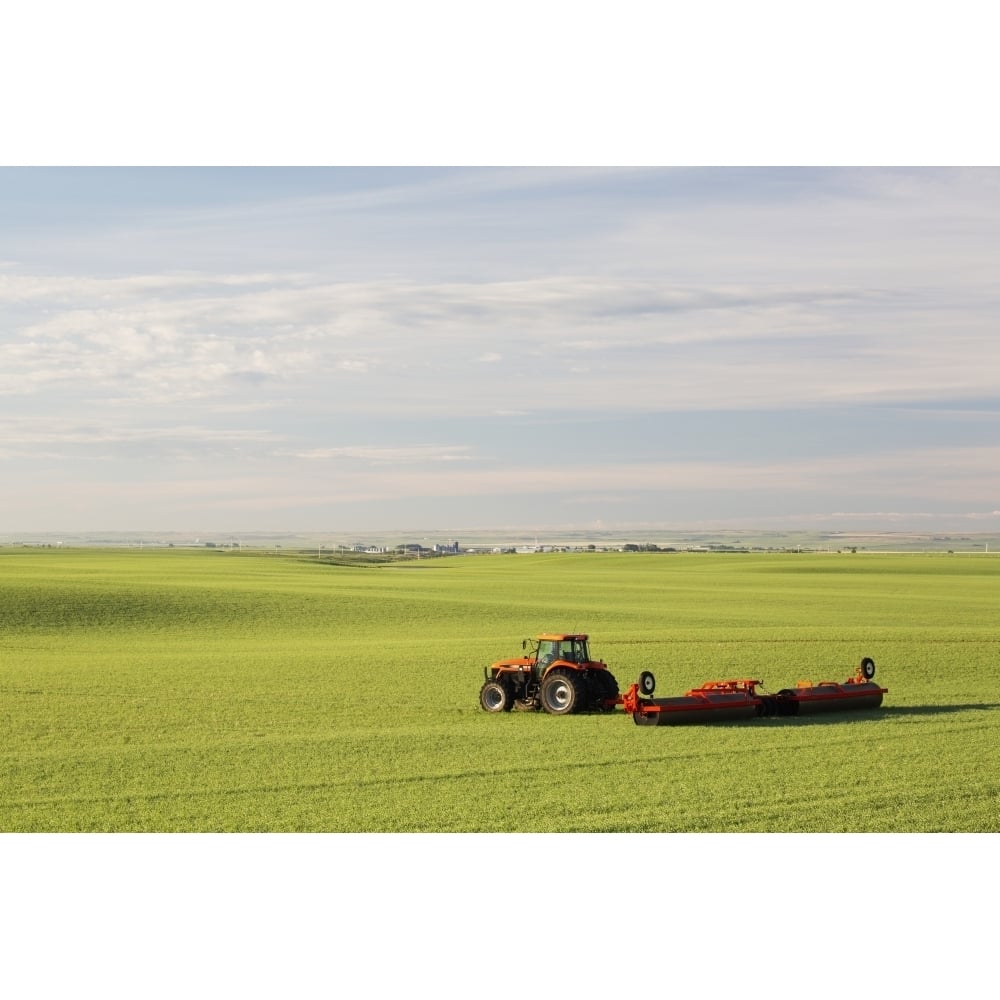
(353, 349)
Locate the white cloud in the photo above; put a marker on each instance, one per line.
(409, 455)
(100, 443)
(624, 343)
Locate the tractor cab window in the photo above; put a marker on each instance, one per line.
(572, 650)
(548, 651)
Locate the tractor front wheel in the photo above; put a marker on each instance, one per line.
(495, 696)
(561, 693)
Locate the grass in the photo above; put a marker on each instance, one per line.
(173, 690)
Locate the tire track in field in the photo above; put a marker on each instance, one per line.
(666, 758)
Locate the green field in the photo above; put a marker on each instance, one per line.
(173, 690)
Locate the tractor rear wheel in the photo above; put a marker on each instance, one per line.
(605, 688)
(495, 696)
(562, 693)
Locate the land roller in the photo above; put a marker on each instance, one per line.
(557, 675)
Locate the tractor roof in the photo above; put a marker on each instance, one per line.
(562, 635)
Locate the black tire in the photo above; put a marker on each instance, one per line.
(494, 696)
(786, 703)
(562, 692)
(647, 683)
(868, 668)
(605, 688)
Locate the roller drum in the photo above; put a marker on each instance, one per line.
(812, 701)
(681, 711)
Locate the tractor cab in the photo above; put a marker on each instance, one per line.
(569, 648)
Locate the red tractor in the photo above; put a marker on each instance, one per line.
(556, 674)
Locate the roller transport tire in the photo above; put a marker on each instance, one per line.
(868, 668)
(647, 683)
(562, 692)
(495, 696)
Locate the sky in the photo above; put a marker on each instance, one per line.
(326, 349)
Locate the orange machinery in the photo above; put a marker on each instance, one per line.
(717, 701)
